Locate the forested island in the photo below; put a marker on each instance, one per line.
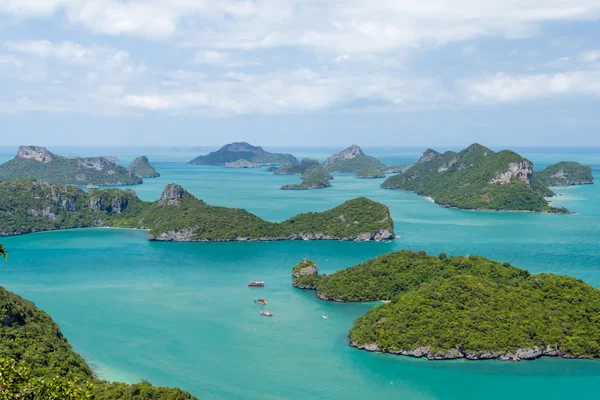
(478, 178)
(234, 152)
(353, 159)
(315, 177)
(38, 363)
(566, 174)
(141, 167)
(39, 163)
(28, 206)
(463, 307)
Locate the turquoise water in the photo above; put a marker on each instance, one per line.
(180, 314)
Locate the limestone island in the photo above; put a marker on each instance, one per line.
(39, 163)
(370, 173)
(241, 163)
(478, 178)
(315, 177)
(37, 361)
(28, 206)
(352, 160)
(566, 174)
(243, 151)
(141, 167)
(462, 307)
(295, 168)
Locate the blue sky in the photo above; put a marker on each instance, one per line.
(282, 72)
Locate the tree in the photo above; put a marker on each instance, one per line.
(3, 252)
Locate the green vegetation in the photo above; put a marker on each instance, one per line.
(37, 362)
(296, 168)
(315, 177)
(369, 173)
(566, 174)
(476, 178)
(352, 159)
(449, 307)
(38, 163)
(242, 150)
(141, 167)
(30, 206)
(3, 252)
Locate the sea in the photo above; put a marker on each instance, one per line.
(182, 315)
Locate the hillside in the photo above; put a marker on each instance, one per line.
(476, 178)
(454, 307)
(566, 174)
(39, 163)
(141, 167)
(296, 168)
(243, 151)
(315, 177)
(49, 367)
(352, 160)
(31, 206)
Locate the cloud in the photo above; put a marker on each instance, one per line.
(591, 55)
(507, 88)
(343, 57)
(221, 59)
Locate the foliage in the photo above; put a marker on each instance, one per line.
(315, 177)
(478, 315)
(68, 171)
(355, 164)
(37, 362)
(296, 168)
(566, 174)
(242, 150)
(141, 167)
(369, 173)
(462, 180)
(384, 277)
(3, 252)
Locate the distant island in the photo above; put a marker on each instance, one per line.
(141, 167)
(39, 163)
(237, 151)
(370, 173)
(241, 164)
(462, 307)
(566, 174)
(32, 206)
(296, 168)
(315, 177)
(37, 362)
(480, 179)
(352, 160)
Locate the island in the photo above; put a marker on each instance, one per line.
(28, 206)
(39, 163)
(463, 307)
(566, 174)
(315, 177)
(241, 164)
(141, 167)
(351, 160)
(296, 168)
(37, 360)
(243, 151)
(476, 178)
(306, 274)
(370, 173)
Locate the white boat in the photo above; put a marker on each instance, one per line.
(325, 316)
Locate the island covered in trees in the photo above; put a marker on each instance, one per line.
(462, 307)
(478, 178)
(39, 163)
(237, 151)
(28, 206)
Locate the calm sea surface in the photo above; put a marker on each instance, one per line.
(180, 314)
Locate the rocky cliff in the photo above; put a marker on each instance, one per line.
(141, 167)
(566, 174)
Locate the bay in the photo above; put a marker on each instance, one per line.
(180, 314)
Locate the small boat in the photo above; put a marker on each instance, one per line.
(91, 186)
(266, 313)
(325, 316)
(256, 284)
(261, 301)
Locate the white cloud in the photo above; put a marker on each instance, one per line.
(222, 59)
(343, 57)
(503, 88)
(591, 55)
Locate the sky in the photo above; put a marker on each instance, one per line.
(300, 72)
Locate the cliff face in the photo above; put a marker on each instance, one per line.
(352, 160)
(521, 170)
(37, 153)
(141, 167)
(566, 174)
(348, 154)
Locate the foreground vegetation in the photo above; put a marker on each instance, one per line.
(451, 307)
(476, 178)
(30, 206)
(37, 362)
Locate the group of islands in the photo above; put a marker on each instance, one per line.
(437, 307)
